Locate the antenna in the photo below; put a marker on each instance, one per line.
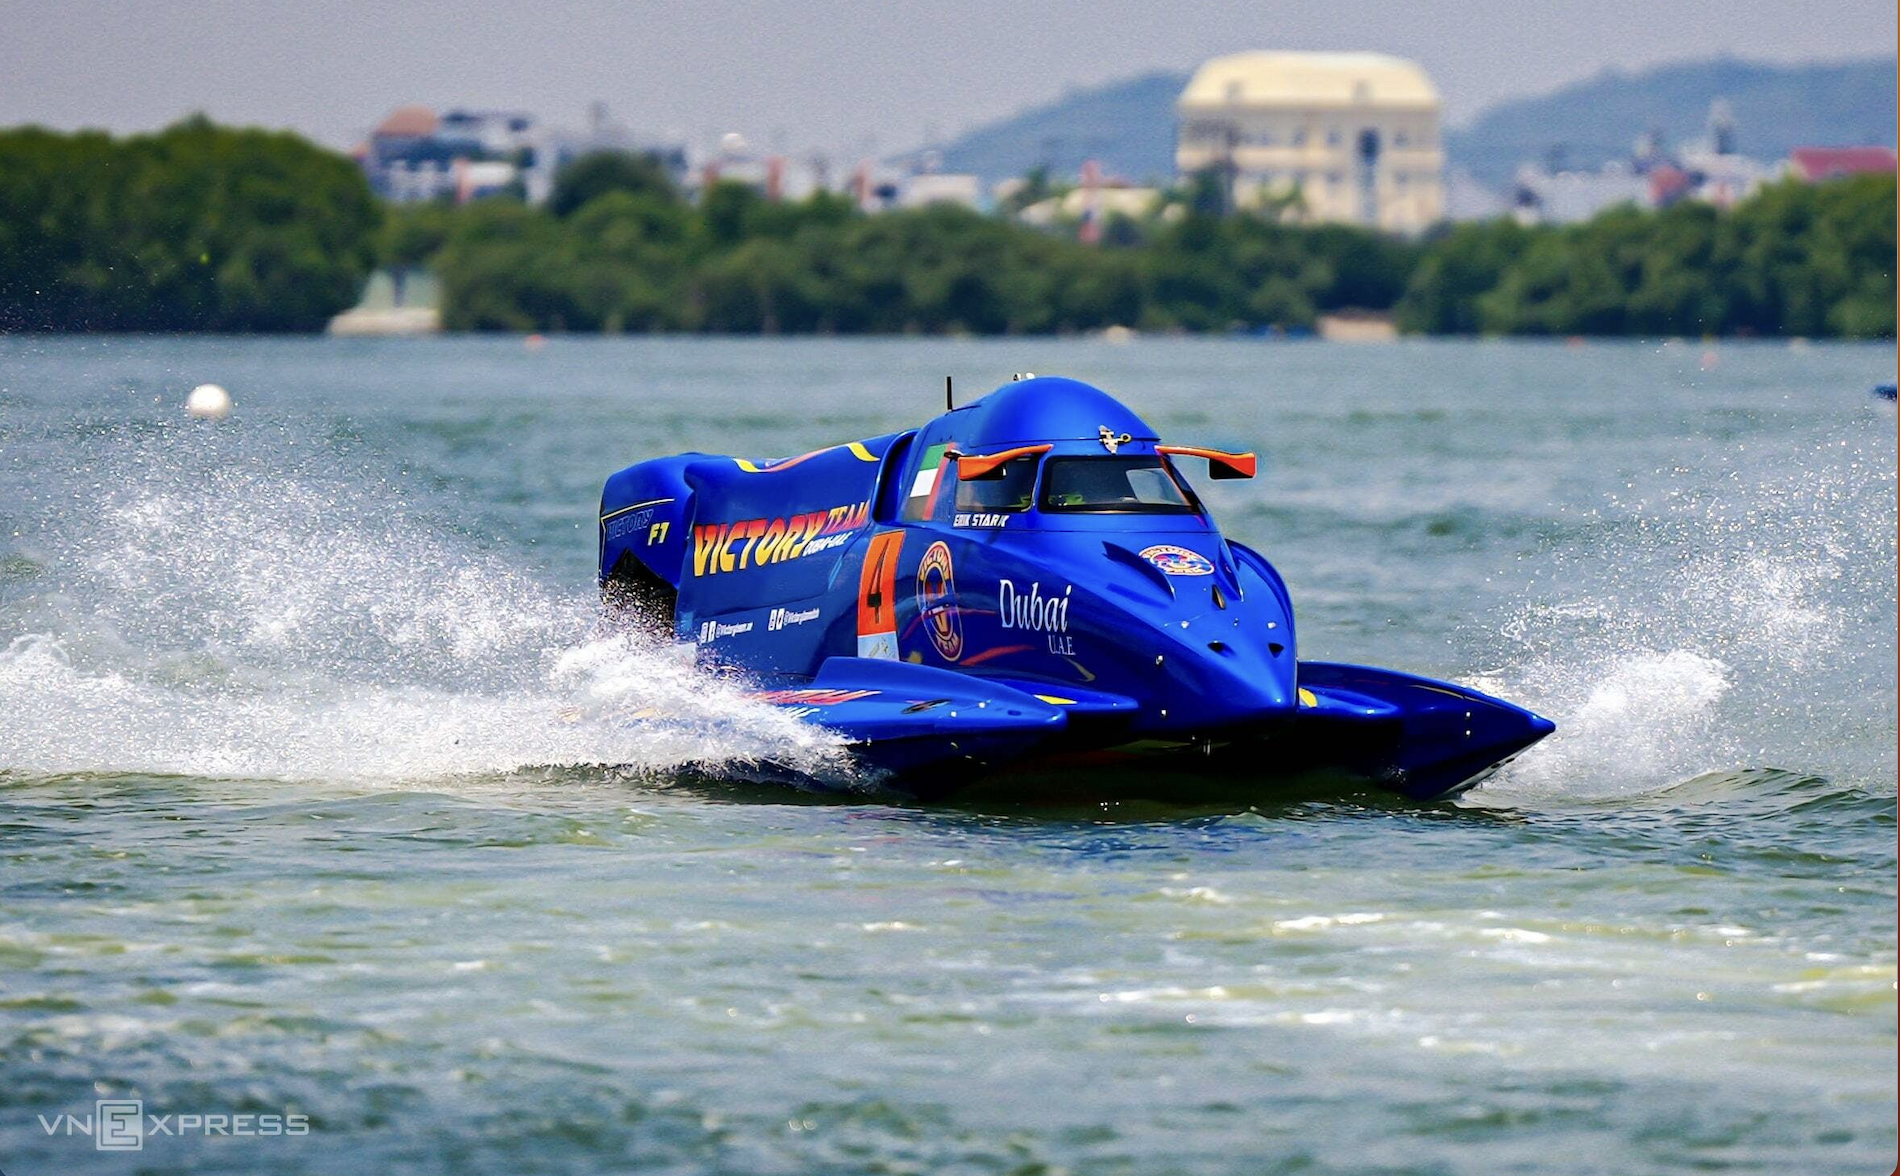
(949, 398)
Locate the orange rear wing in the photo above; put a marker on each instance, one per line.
(1220, 463)
(969, 469)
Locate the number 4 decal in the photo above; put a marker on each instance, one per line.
(877, 596)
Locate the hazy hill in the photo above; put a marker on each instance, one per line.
(1775, 108)
(1129, 125)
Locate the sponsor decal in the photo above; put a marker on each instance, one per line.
(813, 696)
(782, 617)
(1177, 561)
(628, 519)
(751, 543)
(877, 596)
(710, 631)
(827, 542)
(937, 602)
(630, 522)
(1048, 615)
(982, 519)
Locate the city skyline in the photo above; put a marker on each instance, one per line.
(823, 77)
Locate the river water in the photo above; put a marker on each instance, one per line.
(318, 795)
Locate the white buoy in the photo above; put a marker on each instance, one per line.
(208, 402)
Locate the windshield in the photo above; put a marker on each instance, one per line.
(1113, 485)
(1009, 487)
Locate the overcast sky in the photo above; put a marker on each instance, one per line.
(812, 75)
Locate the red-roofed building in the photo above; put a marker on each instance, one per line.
(407, 122)
(1668, 184)
(1815, 164)
(415, 155)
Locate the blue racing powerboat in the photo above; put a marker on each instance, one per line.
(1026, 584)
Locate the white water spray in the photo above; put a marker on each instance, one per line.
(217, 615)
(1689, 637)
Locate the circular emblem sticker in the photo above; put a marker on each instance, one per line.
(1177, 561)
(937, 602)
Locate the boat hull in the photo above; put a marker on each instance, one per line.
(931, 735)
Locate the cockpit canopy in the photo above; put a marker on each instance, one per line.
(1081, 484)
(1044, 409)
(1066, 455)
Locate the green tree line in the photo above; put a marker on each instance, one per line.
(196, 228)
(207, 228)
(1794, 259)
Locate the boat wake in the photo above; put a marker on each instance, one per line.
(1705, 632)
(200, 610)
(205, 604)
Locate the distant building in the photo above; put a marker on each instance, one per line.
(1111, 199)
(414, 155)
(492, 134)
(1668, 184)
(555, 148)
(475, 178)
(1653, 176)
(941, 188)
(875, 186)
(1468, 198)
(1815, 164)
(1718, 173)
(1542, 196)
(1723, 179)
(1354, 135)
(776, 176)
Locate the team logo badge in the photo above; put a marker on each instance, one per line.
(1177, 561)
(937, 602)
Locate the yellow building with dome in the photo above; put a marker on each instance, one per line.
(1355, 135)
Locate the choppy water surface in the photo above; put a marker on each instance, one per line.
(303, 804)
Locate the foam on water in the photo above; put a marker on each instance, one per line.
(1690, 635)
(210, 607)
